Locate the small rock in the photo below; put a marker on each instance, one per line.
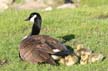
(68, 5)
(48, 8)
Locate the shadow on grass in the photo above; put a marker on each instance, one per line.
(102, 17)
(70, 48)
(67, 38)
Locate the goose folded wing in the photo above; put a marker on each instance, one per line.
(36, 52)
(55, 44)
(39, 55)
(49, 43)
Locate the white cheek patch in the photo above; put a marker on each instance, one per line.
(32, 18)
(56, 50)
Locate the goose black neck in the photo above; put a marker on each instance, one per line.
(36, 25)
(35, 29)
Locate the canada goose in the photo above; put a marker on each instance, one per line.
(86, 55)
(37, 48)
(69, 60)
(84, 58)
(83, 53)
(81, 50)
(93, 57)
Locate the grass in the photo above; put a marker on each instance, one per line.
(89, 25)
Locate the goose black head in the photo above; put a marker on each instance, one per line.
(34, 17)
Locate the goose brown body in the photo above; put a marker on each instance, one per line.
(40, 48)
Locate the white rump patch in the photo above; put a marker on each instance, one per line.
(32, 18)
(55, 57)
(56, 50)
